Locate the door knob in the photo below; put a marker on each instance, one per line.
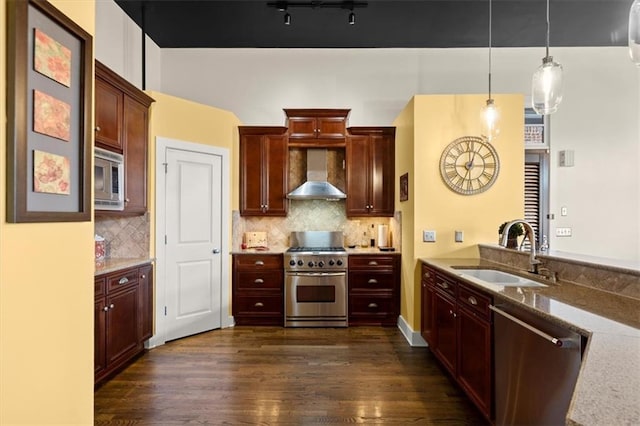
(216, 250)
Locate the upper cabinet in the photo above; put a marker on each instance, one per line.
(370, 156)
(122, 125)
(317, 127)
(264, 171)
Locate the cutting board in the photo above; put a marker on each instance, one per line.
(255, 239)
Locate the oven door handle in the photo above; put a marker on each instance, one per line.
(317, 274)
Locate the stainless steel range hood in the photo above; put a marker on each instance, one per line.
(316, 187)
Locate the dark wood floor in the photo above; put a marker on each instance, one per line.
(285, 376)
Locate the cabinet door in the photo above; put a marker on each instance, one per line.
(331, 127)
(358, 193)
(302, 127)
(122, 325)
(474, 363)
(445, 322)
(251, 202)
(145, 302)
(276, 172)
(100, 336)
(108, 116)
(135, 157)
(381, 175)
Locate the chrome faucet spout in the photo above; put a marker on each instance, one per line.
(529, 233)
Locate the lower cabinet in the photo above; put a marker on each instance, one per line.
(456, 323)
(258, 289)
(374, 289)
(123, 318)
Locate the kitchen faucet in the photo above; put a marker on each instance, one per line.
(529, 232)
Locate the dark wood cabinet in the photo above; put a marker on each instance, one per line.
(264, 171)
(122, 125)
(258, 289)
(456, 323)
(374, 289)
(370, 156)
(123, 318)
(316, 127)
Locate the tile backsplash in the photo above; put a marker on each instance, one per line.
(314, 215)
(126, 237)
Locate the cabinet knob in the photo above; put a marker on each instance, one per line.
(106, 308)
(111, 306)
(98, 128)
(259, 305)
(143, 276)
(123, 280)
(126, 200)
(373, 305)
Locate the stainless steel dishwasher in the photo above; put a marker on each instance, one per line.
(536, 367)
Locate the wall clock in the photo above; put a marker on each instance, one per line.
(469, 165)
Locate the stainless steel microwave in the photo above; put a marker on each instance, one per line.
(108, 180)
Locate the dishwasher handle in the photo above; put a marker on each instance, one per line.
(554, 340)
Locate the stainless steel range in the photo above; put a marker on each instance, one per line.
(315, 283)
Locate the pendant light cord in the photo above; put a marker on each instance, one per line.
(489, 49)
(548, 30)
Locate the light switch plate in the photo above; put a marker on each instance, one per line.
(429, 236)
(459, 236)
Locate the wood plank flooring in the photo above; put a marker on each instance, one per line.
(285, 376)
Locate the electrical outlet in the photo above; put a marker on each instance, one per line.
(563, 232)
(429, 236)
(459, 236)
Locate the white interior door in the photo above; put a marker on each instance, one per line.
(193, 242)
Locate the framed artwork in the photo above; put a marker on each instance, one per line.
(404, 187)
(49, 104)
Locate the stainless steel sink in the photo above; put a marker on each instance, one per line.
(494, 276)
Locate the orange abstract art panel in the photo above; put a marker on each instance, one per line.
(52, 58)
(51, 173)
(51, 116)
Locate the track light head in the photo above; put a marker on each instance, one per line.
(287, 19)
(352, 18)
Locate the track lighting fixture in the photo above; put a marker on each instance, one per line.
(284, 6)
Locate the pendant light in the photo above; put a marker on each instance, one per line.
(490, 112)
(546, 85)
(634, 32)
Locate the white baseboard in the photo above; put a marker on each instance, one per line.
(413, 337)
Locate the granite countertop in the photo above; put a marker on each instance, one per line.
(608, 388)
(114, 264)
(280, 250)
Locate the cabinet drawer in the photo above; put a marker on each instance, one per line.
(259, 305)
(476, 301)
(121, 280)
(371, 262)
(428, 274)
(372, 280)
(445, 284)
(369, 305)
(100, 287)
(258, 280)
(256, 261)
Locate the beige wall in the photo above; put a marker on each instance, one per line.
(46, 299)
(436, 120)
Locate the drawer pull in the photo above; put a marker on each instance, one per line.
(443, 285)
(373, 305)
(472, 300)
(372, 281)
(258, 281)
(123, 280)
(373, 263)
(259, 263)
(259, 305)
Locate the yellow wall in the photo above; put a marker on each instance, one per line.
(439, 119)
(46, 298)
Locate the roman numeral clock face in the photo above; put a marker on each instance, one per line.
(469, 165)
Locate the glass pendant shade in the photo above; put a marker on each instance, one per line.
(634, 32)
(490, 120)
(546, 87)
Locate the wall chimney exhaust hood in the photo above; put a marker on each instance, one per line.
(316, 187)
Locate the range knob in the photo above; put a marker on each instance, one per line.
(321, 263)
(339, 262)
(292, 262)
(310, 264)
(332, 262)
(300, 263)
